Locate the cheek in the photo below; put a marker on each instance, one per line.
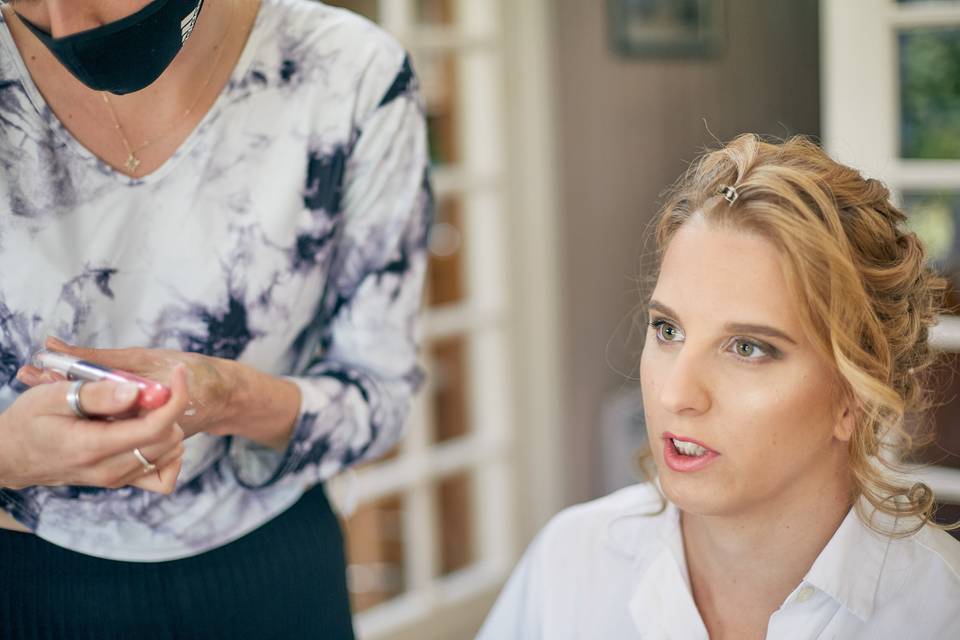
(653, 363)
(777, 422)
(649, 377)
(645, 357)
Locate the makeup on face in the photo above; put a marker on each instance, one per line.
(152, 394)
(733, 423)
(686, 455)
(740, 342)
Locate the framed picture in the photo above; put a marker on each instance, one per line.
(666, 28)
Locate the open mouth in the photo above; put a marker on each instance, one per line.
(681, 454)
(686, 448)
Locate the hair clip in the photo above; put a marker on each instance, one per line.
(729, 193)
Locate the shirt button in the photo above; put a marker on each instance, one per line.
(805, 594)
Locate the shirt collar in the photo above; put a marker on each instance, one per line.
(662, 603)
(629, 532)
(849, 567)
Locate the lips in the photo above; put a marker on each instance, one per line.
(686, 455)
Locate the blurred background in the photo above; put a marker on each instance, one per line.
(554, 127)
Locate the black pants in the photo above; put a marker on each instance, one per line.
(285, 579)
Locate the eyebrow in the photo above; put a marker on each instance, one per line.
(732, 327)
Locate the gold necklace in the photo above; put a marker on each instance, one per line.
(132, 161)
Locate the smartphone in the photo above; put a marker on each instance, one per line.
(152, 394)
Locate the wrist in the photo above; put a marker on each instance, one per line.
(259, 406)
(235, 379)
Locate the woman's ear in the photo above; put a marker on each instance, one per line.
(846, 421)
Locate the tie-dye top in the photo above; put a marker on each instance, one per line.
(288, 232)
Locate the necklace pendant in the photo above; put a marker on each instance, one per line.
(132, 163)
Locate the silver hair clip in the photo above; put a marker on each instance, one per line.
(729, 193)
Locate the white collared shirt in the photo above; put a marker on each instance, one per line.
(606, 569)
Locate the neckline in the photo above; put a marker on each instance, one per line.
(60, 130)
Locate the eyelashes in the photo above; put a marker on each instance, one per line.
(659, 326)
(752, 348)
(745, 349)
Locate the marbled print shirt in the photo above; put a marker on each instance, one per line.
(287, 232)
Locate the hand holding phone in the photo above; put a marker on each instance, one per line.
(152, 394)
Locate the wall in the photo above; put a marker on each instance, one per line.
(626, 129)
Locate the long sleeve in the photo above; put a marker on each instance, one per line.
(361, 371)
(288, 232)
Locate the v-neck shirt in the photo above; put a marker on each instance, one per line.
(287, 232)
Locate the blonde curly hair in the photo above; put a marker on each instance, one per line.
(867, 295)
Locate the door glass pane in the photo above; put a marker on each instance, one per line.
(446, 254)
(449, 384)
(367, 8)
(434, 12)
(949, 514)
(454, 498)
(944, 449)
(375, 550)
(437, 71)
(935, 216)
(930, 93)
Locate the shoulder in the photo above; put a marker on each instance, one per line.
(618, 522)
(939, 553)
(921, 579)
(577, 573)
(334, 45)
(311, 22)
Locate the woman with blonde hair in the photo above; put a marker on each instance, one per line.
(787, 341)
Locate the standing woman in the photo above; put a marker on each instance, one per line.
(787, 338)
(229, 196)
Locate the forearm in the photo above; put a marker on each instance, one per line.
(7, 521)
(262, 408)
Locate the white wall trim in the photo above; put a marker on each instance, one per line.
(534, 230)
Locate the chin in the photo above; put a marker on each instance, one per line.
(696, 494)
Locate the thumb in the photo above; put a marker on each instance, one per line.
(104, 398)
(108, 398)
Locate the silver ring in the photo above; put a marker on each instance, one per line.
(73, 399)
(147, 465)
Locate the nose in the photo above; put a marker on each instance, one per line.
(66, 18)
(684, 387)
(67, 23)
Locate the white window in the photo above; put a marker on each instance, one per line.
(440, 521)
(891, 107)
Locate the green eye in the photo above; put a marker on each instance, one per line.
(749, 350)
(666, 332)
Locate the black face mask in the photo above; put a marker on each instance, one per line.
(129, 54)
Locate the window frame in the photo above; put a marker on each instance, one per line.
(860, 106)
(510, 318)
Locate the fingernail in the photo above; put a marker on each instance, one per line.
(125, 392)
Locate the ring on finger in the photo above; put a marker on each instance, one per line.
(73, 399)
(147, 465)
